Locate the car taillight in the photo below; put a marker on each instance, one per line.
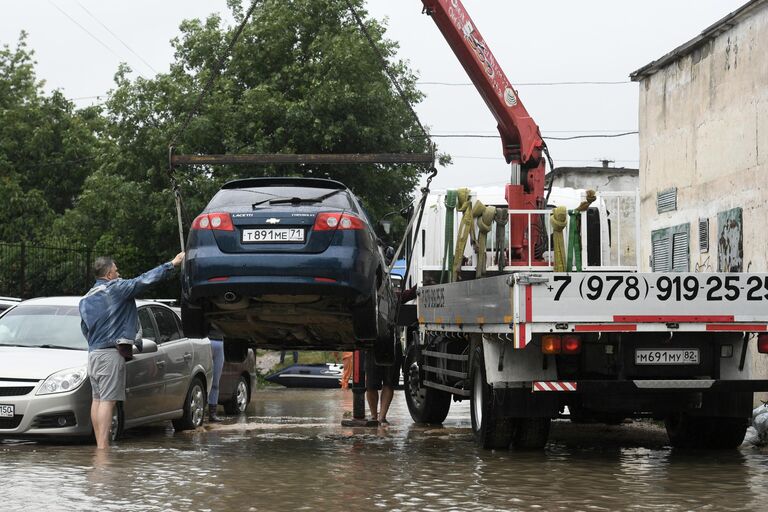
(762, 343)
(329, 221)
(571, 344)
(551, 344)
(213, 222)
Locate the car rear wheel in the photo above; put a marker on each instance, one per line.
(193, 321)
(194, 407)
(240, 398)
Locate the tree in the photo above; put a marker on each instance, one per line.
(301, 79)
(47, 147)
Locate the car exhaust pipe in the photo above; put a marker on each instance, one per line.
(230, 297)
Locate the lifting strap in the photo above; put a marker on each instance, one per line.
(502, 217)
(464, 205)
(485, 216)
(559, 220)
(450, 204)
(574, 233)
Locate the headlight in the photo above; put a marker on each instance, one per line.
(63, 381)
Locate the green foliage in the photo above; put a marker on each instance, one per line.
(301, 79)
(45, 145)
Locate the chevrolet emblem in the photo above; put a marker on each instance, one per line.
(272, 221)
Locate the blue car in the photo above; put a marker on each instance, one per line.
(288, 263)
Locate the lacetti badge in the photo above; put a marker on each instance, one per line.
(272, 221)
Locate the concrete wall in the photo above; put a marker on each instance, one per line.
(704, 130)
(601, 179)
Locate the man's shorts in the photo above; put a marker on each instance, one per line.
(377, 376)
(106, 370)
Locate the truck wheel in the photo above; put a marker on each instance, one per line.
(687, 432)
(490, 429)
(426, 405)
(193, 321)
(531, 433)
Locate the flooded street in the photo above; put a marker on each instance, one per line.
(290, 453)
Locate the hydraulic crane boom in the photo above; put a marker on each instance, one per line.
(521, 140)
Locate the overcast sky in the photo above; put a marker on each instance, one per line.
(79, 43)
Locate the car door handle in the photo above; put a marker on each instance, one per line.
(187, 356)
(160, 364)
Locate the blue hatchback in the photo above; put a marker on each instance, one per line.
(288, 263)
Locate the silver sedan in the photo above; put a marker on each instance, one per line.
(44, 386)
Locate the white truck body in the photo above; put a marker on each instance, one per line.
(673, 346)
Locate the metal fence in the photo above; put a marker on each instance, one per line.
(32, 270)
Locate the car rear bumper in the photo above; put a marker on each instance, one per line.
(38, 415)
(334, 273)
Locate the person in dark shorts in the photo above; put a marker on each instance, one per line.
(380, 378)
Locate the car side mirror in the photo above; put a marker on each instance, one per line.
(149, 347)
(389, 254)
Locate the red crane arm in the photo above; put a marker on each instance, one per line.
(520, 136)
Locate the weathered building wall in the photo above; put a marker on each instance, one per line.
(704, 131)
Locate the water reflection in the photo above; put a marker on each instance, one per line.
(290, 453)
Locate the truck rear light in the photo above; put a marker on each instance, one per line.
(762, 343)
(213, 222)
(328, 221)
(571, 344)
(551, 344)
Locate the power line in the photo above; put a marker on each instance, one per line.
(102, 43)
(530, 84)
(475, 157)
(116, 37)
(594, 136)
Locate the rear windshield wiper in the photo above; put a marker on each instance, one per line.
(276, 200)
(297, 200)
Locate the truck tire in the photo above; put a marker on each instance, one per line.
(491, 430)
(530, 433)
(718, 433)
(193, 321)
(426, 405)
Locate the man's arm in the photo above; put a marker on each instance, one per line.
(130, 288)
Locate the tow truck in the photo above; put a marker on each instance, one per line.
(527, 340)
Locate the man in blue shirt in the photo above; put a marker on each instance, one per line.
(109, 319)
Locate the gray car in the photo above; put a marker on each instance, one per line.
(44, 386)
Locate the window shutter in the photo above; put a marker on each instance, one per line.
(703, 235)
(662, 254)
(666, 200)
(680, 252)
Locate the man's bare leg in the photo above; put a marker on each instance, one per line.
(373, 402)
(102, 421)
(387, 393)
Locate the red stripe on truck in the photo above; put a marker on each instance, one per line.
(736, 327)
(604, 327)
(672, 318)
(528, 303)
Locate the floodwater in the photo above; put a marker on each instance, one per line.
(290, 452)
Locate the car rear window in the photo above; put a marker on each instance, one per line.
(33, 326)
(245, 197)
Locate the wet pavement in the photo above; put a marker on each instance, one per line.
(290, 452)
